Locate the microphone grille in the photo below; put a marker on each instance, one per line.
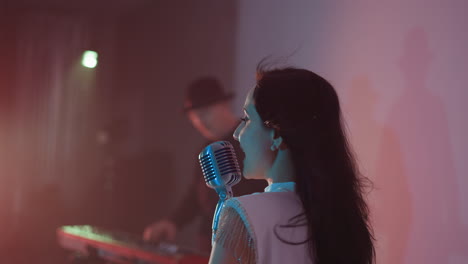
(219, 159)
(207, 165)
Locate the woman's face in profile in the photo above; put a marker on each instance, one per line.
(255, 140)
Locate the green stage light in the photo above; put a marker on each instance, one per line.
(90, 59)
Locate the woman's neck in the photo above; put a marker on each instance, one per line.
(282, 169)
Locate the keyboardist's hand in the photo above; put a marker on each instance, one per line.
(160, 230)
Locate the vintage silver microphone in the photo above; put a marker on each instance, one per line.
(221, 171)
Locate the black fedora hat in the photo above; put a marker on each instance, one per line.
(203, 92)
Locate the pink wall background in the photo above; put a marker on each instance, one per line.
(400, 68)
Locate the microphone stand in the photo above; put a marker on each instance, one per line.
(224, 194)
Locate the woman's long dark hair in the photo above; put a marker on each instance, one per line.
(304, 108)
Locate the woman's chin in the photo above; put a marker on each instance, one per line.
(252, 176)
(247, 175)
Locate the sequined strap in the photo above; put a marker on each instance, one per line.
(234, 236)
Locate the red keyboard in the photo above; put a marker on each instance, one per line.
(119, 247)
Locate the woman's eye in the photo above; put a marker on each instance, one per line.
(244, 119)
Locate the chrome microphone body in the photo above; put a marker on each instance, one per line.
(221, 171)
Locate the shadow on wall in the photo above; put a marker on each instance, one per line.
(420, 123)
(379, 155)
